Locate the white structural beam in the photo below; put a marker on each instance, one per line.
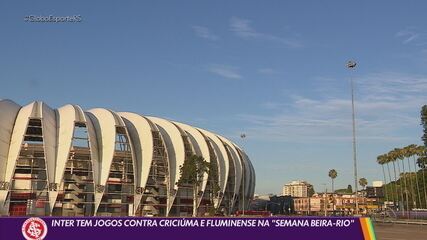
(176, 154)
(237, 167)
(200, 147)
(104, 122)
(253, 181)
(18, 132)
(8, 113)
(249, 190)
(19, 129)
(94, 146)
(66, 119)
(140, 131)
(67, 116)
(48, 118)
(215, 154)
(223, 162)
(49, 127)
(249, 177)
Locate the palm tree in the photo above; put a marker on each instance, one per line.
(406, 151)
(381, 161)
(416, 192)
(402, 174)
(394, 155)
(413, 150)
(363, 182)
(387, 160)
(391, 158)
(407, 187)
(398, 155)
(333, 174)
(401, 156)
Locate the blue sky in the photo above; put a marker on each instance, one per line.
(272, 69)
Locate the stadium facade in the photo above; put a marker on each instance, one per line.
(70, 162)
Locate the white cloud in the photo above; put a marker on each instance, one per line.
(387, 106)
(242, 28)
(205, 33)
(225, 71)
(412, 35)
(267, 71)
(393, 84)
(407, 36)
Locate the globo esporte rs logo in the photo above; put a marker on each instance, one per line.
(34, 229)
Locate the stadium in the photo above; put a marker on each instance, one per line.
(71, 162)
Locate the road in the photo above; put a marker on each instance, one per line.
(390, 231)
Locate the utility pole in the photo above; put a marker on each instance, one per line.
(324, 200)
(243, 136)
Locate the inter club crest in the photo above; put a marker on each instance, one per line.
(34, 229)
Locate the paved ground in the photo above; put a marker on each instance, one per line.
(390, 231)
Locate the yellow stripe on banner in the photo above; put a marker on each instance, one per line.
(371, 229)
(367, 229)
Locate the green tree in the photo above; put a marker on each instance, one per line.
(421, 152)
(349, 189)
(424, 124)
(214, 187)
(363, 182)
(417, 191)
(192, 173)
